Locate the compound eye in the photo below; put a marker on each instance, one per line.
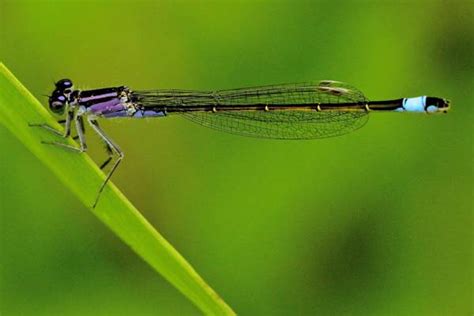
(57, 102)
(64, 84)
(56, 105)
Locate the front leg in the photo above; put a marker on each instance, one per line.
(79, 122)
(67, 125)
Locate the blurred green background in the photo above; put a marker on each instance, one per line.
(377, 222)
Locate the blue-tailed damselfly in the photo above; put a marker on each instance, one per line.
(289, 111)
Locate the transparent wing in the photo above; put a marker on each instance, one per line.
(281, 125)
(288, 124)
(327, 92)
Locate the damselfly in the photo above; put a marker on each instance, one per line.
(290, 111)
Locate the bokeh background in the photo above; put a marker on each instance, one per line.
(377, 222)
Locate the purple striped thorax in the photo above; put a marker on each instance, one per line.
(107, 102)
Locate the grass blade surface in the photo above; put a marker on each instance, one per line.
(78, 172)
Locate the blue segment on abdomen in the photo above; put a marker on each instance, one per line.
(414, 104)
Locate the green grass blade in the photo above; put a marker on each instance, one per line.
(79, 173)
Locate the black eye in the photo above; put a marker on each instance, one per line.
(57, 101)
(64, 84)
